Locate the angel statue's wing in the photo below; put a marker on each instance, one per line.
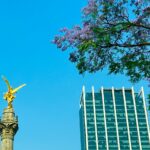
(8, 85)
(19, 87)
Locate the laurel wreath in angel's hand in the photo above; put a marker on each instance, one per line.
(9, 95)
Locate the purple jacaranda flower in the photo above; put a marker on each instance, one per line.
(85, 36)
(63, 38)
(64, 29)
(77, 27)
(71, 41)
(59, 45)
(90, 8)
(56, 39)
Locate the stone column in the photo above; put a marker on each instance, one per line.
(8, 128)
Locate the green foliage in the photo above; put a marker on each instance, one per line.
(114, 34)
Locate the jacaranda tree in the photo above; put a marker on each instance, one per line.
(113, 34)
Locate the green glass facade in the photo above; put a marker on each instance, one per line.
(114, 119)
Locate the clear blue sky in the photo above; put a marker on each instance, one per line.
(48, 107)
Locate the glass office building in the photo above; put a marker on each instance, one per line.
(114, 119)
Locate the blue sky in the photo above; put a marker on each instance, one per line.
(48, 107)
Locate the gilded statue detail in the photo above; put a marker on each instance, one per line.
(9, 95)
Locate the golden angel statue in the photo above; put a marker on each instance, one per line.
(9, 95)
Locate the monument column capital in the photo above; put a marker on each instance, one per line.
(8, 123)
(8, 130)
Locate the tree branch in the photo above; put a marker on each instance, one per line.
(140, 25)
(130, 24)
(126, 45)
